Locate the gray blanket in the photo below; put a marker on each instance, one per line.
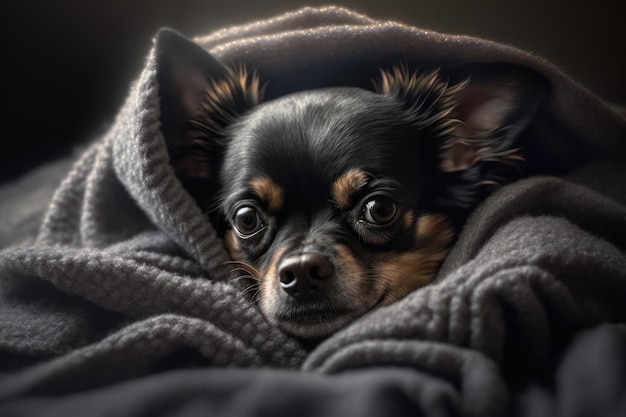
(114, 294)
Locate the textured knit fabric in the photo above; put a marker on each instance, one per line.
(124, 287)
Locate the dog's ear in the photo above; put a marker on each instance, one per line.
(475, 123)
(491, 110)
(200, 97)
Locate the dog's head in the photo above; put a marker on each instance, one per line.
(338, 200)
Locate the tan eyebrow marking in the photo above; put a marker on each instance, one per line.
(346, 186)
(269, 193)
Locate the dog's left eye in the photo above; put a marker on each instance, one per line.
(247, 221)
(380, 211)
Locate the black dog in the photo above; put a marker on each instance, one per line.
(336, 201)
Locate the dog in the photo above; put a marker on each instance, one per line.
(336, 201)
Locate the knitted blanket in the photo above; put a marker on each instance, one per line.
(121, 303)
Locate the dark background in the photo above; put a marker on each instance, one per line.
(66, 65)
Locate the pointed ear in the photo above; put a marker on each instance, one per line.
(475, 120)
(472, 126)
(199, 98)
(492, 108)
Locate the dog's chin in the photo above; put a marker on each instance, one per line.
(314, 324)
(318, 320)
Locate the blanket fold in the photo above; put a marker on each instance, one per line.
(127, 277)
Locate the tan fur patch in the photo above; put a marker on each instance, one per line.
(350, 267)
(269, 193)
(356, 282)
(272, 268)
(409, 217)
(403, 272)
(238, 258)
(269, 283)
(346, 186)
(232, 246)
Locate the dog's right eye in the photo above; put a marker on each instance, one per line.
(247, 222)
(380, 211)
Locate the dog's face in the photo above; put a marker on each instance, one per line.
(325, 195)
(338, 200)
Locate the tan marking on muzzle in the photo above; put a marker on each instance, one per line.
(347, 263)
(232, 246)
(269, 283)
(404, 272)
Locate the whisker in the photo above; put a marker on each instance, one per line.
(244, 266)
(241, 278)
(253, 298)
(250, 288)
(216, 204)
(243, 269)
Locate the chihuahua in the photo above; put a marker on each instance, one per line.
(338, 200)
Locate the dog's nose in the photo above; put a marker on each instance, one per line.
(304, 273)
